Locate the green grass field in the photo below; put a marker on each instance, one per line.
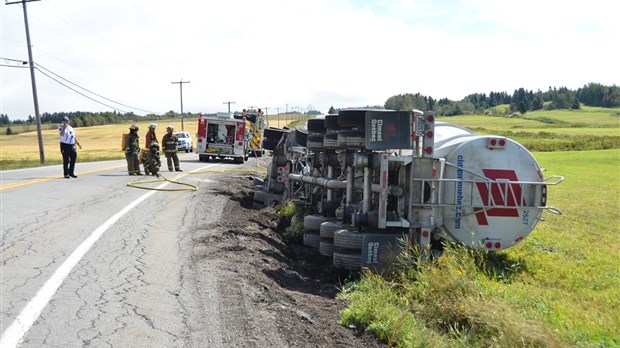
(560, 287)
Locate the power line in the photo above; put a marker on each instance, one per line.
(98, 95)
(16, 61)
(82, 94)
(14, 66)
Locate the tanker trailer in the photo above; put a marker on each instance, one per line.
(428, 181)
(486, 192)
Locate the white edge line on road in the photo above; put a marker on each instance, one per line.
(22, 324)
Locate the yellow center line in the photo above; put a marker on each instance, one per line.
(48, 178)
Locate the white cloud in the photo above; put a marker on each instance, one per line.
(272, 52)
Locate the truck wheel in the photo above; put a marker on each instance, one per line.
(238, 160)
(326, 247)
(331, 122)
(351, 139)
(330, 140)
(315, 142)
(347, 260)
(352, 118)
(270, 144)
(312, 240)
(301, 136)
(313, 222)
(328, 228)
(316, 125)
(348, 239)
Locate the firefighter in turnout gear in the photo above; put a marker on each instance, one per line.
(132, 151)
(146, 156)
(170, 149)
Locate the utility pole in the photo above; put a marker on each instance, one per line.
(181, 88)
(228, 102)
(32, 79)
(267, 115)
(286, 115)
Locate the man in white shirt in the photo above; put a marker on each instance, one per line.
(67, 148)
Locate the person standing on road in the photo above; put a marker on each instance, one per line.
(170, 142)
(149, 137)
(68, 140)
(132, 150)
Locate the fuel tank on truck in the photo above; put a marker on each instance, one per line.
(492, 191)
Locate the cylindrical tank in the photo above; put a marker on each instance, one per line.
(492, 193)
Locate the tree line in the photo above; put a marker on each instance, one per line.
(88, 119)
(521, 100)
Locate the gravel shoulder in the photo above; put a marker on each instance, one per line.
(254, 289)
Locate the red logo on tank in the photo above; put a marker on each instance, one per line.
(502, 194)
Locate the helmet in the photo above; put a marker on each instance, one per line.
(169, 127)
(153, 125)
(133, 127)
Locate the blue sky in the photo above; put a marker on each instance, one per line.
(296, 54)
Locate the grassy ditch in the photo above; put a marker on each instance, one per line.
(557, 288)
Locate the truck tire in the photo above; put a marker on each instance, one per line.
(313, 222)
(315, 142)
(270, 144)
(312, 240)
(330, 140)
(348, 239)
(352, 139)
(316, 125)
(328, 228)
(273, 135)
(347, 260)
(352, 118)
(331, 122)
(326, 247)
(301, 136)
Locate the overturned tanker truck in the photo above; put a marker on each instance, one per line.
(369, 179)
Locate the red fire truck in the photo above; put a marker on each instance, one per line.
(222, 136)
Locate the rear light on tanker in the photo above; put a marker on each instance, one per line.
(496, 143)
(492, 244)
(428, 141)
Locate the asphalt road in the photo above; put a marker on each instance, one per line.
(92, 261)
